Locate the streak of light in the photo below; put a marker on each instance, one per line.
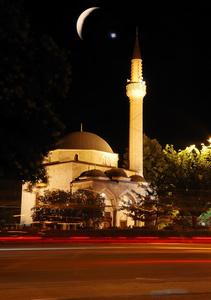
(140, 262)
(55, 248)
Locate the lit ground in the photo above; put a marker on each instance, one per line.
(105, 271)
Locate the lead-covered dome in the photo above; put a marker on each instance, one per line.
(84, 140)
(93, 173)
(115, 172)
(137, 178)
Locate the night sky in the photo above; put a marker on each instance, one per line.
(175, 46)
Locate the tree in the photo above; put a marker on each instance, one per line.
(126, 159)
(84, 207)
(205, 218)
(155, 166)
(182, 179)
(144, 209)
(35, 76)
(189, 180)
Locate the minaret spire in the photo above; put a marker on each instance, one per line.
(136, 51)
(136, 90)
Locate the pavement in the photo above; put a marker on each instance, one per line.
(113, 271)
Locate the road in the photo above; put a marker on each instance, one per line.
(105, 271)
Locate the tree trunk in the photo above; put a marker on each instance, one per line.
(194, 221)
(89, 223)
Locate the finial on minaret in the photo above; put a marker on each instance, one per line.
(136, 62)
(136, 51)
(81, 127)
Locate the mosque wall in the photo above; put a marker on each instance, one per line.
(28, 201)
(59, 176)
(88, 156)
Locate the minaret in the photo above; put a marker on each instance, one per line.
(136, 90)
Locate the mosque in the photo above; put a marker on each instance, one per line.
(83, 160)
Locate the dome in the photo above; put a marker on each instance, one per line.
(137, 178)
(84, 140)
(93, 173)
(116, 172)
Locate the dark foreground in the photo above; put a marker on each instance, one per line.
(105, 271)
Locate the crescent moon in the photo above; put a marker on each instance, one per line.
(81, 19)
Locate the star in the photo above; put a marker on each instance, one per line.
(113, 35)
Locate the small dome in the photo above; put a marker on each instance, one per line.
(137, 178)
(93, 173)
(84, 140)
(116, 172)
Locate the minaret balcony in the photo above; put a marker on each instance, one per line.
(136, 90)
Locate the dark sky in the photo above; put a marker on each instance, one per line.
(175, 46)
